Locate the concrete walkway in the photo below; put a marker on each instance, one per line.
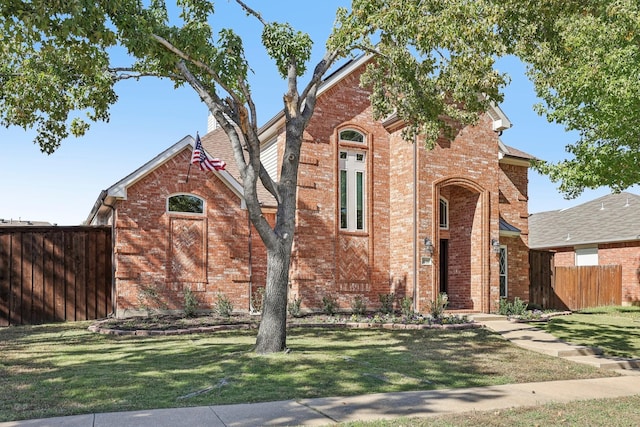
(530, 337)
(331, 410)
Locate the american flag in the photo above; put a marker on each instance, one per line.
(200, 158)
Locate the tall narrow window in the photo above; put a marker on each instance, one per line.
(359, 201)
(353, 190)
(343, 199)
(444, 214)
(503, 272)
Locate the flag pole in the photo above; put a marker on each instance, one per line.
(188, 171)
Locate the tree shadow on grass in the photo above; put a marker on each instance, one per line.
(61, 370)
(615, 340)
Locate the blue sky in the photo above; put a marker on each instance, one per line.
(151, 115)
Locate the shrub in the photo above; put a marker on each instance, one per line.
(329, 304)
(294, 307)
(386, 302)
(359, 305)
(224, 307)
(190, 303)
(150, 300)
(515, 308)
(257, 299)
(437, 307)
(406, 304)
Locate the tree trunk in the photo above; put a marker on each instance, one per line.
(272, 334)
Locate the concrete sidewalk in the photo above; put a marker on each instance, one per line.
(331, 410)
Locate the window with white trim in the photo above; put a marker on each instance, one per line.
(444, 214)
(185, 203)
(352, 190)
(587, 256)
(504, 272)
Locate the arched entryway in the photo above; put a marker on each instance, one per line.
(461, 238)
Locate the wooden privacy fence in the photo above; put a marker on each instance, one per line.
(54, 274)
(589, 286)
(572, 288)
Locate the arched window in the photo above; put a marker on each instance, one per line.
(444, 214)
(185, 203)
(351, 136)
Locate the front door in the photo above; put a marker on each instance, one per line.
(444, 264)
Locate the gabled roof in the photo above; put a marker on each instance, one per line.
(119, 189)
(608, 219)
(500, 120)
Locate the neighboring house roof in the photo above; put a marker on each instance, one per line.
(119, 189)
(20, 223)
(608, 219)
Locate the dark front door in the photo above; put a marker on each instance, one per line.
(444, 264)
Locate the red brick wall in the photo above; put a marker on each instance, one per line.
(513, 199)
(154, 248)
(326, 260)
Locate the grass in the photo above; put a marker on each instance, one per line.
(618, 412)
(62, 369)
(615, 330)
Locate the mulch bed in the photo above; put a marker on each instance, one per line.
(177, 325)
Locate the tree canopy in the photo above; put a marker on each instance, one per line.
(584, 60)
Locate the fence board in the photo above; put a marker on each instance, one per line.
(541, 278)
(54, 273)
(5, 279)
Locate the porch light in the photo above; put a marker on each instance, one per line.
(495, 245)
(428, 245)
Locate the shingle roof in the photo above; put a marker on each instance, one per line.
(508, 228)
(608, 219)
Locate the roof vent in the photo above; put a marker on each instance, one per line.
(568, 237)
(602, 207)
(626, 205)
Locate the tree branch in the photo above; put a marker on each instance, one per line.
(251, 11)
(172, 48)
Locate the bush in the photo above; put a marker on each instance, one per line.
(386, 302)
(406, 304)
(294, 307)
(437, 307)
(359, 305)
(190, 303)
(329, 304)
(257, 298)
(224, 307)
(515, 308)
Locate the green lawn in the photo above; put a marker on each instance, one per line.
(616, 330)
(619, 412)
(62, 369)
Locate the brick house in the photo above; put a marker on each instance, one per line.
(603, 231)
(376, 215)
